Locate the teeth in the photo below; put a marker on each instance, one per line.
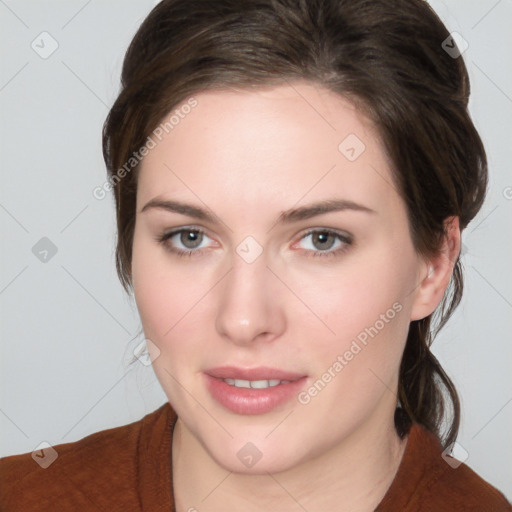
(262, 384)
(255, 384)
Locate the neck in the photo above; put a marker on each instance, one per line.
(352, 476)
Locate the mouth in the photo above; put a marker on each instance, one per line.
(251, 391)
(255, 384)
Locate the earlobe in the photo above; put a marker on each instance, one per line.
(435, 273)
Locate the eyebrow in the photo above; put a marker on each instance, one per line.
(287, 217)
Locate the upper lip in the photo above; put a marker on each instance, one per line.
(259, 373)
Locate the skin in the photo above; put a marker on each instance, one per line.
(248, 156)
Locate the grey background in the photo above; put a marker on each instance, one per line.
(68, 330)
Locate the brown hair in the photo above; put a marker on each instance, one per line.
(386, 56)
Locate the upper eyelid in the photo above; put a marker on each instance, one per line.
(338, 232)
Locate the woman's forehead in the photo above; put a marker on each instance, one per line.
(289, 140)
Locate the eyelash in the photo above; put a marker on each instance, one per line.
(345, 239)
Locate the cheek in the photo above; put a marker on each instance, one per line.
(354, 298)
(365, 310)
(158, 292)
(169, 297)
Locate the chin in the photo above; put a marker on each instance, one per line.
(257, 457)
(267, 464)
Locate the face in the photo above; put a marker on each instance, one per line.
(276, 328)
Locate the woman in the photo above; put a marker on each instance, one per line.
(291, 182)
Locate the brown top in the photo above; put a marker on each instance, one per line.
(128, 468)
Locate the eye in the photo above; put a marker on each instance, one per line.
(190, 238)
(323, 241)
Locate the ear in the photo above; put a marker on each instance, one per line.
(435, 272)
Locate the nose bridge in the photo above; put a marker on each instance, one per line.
(248, 306)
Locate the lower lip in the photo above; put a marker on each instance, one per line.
(249, 400)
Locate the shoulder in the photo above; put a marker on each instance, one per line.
(91, 473)
(459, 484)
(428, 480)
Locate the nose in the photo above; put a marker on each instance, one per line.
(250, 303)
